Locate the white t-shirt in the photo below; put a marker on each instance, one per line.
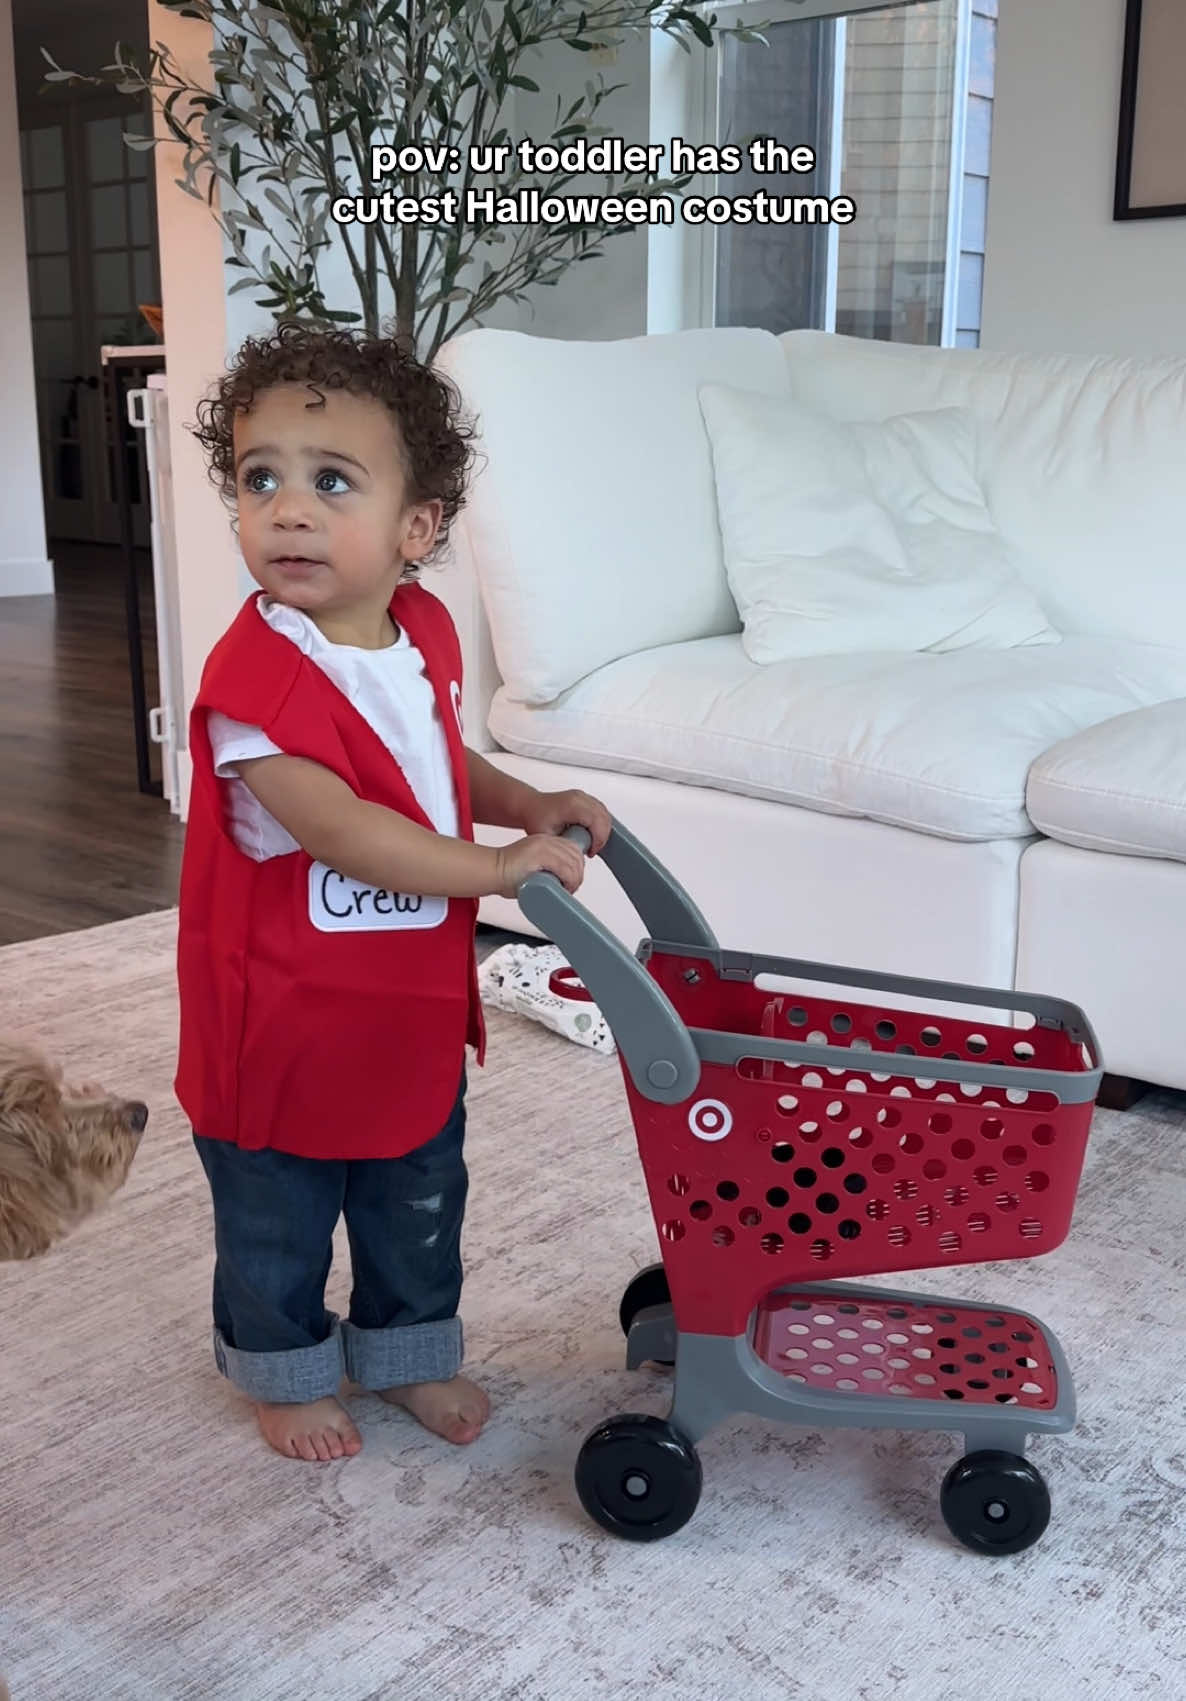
(392, 692)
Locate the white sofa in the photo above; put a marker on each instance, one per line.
(1011, 818)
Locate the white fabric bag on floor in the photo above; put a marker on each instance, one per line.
(530, 980)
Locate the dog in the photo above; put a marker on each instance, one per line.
(63, 1152)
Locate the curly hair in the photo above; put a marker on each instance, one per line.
(426, 407)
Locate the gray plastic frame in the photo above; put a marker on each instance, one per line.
(664, 1056)
(719, 1376)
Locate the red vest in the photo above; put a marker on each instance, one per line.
(320, 1016)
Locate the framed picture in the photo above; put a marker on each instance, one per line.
(1151, 147)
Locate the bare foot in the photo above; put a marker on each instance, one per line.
(456, 1410)
(320, 1431)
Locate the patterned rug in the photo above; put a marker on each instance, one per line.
(153, 1549)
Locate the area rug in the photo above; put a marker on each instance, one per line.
(153, 1549)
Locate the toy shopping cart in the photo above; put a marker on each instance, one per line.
(788, 1136)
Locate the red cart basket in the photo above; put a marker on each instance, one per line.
(795, 1136)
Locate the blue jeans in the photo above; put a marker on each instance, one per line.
(274, 1220)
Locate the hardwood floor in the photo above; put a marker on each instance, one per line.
(79, 844)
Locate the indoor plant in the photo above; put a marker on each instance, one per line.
(302, 90)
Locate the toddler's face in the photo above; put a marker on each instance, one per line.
(324, 524)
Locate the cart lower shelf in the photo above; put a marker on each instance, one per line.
(906, 1349)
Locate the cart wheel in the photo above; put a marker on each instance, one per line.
(995, 1502)
(638, 1478)
(648, 1287)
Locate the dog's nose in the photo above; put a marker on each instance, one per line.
(137, 1117)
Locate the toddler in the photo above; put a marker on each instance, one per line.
(329, 891)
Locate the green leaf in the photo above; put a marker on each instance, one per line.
(523, 83)
(701, 30)
(179, 134)
(341, 318)
(236, 164)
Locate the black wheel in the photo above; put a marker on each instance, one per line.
(638, 1478)
(648, 1288)
(995, 1502)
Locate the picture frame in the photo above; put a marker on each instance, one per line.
(1151, 143)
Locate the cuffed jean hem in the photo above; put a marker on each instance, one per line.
(295, 1377)
(372, 1358)
(415, 1352)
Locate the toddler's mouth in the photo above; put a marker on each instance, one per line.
(295, 563)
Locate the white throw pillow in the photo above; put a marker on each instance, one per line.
(846, 539)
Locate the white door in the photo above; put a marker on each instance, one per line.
(90, 226)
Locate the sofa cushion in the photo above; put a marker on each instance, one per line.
(1119, 786)
(847, 539)
(592, 515)
(938, 743)
(1080, 460)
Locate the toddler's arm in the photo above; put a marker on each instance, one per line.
(382, 848)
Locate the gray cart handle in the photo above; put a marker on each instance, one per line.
(663, 1055)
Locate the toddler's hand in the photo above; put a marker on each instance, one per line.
(553, 811)
(540, 853)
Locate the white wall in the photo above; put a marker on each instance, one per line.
(595, 300)
(24, 567)
(1060, 275)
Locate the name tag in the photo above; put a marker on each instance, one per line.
(338, 904)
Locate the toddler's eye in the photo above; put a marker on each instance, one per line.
(252, 477)
(332, 473)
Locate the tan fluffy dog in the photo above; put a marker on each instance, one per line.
(62, 1152)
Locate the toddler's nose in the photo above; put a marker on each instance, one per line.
(137, 1116)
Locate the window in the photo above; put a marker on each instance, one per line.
(895, 101)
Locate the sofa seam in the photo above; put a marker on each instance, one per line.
(1109, 791)
(1113, 847)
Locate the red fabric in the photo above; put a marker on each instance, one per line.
(327, 1044)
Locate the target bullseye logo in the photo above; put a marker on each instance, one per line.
(709, 1119)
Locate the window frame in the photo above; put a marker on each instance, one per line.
(681, 258)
